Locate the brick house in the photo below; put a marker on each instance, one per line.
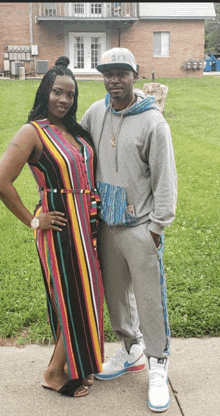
(167, 38)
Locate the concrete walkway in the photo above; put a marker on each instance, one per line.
(211, 73)
(194, 375)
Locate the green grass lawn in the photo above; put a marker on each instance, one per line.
(192, 242)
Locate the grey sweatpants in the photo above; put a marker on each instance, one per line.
(135, 286)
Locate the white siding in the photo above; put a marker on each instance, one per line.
(176, 10)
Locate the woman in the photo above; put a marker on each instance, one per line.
(60, 155)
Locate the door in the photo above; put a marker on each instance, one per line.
(85, 51)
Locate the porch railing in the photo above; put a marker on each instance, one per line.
(88, 10)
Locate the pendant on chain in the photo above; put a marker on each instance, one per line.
(113, 141)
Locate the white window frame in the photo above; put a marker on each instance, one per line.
(96, 51)
(96, 6)
(87, 36)
(162, 49)
(79, 51)
(81, 6)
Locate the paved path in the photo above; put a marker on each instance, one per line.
(211, 73)
(194, 375)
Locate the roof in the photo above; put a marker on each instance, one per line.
(176, 10)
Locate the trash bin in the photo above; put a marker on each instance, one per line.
(213, 65)
(217, 61)
(213, 61)
(208, 64)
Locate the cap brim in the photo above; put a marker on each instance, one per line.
(106, 67)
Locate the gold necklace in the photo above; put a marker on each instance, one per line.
(115, 135)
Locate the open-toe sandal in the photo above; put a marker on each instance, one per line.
(73, 388)
(88, 381)
(81, 391)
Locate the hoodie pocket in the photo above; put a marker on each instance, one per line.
(114, 208)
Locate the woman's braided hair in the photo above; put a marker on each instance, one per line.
(40, 107)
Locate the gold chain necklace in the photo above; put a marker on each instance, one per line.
(115, 135)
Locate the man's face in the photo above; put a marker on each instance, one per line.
(119, 83)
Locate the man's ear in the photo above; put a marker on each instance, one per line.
(135, 76)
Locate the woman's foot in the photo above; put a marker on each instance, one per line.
(55, 379)
(88, 381)
(70, 388)
(81, 391)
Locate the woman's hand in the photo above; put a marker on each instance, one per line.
(52, 220)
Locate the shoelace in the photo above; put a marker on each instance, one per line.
(119, 357)
(157, 378)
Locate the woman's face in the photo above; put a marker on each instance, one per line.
(61, 98)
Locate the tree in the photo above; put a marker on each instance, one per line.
(212, 32)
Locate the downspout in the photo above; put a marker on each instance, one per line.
(137, 12)
(32, 70)
(31, 23)
(119, 38)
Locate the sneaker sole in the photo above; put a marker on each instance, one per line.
(158, 409)
(132, 369)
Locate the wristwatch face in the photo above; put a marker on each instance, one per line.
(35, 223)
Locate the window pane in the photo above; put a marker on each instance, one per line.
(79, 8)
(96, 8)
(79, 52)
(95, 51)
(161, 43)
(165, 40)
(157, 43)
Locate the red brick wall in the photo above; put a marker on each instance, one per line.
(186, 42)
(14, 26)
(15, 30)
(49, 36)
(14, 23)
(115, 38)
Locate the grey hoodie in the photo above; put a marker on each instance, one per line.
(136, 179)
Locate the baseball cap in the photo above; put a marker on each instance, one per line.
(117, 57)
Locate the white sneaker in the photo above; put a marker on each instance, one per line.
(123, 362)
(158, 393)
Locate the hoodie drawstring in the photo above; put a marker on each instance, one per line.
(147, 103)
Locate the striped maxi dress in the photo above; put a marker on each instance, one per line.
(69, 261)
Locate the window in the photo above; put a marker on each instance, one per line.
(96, 8)
(95, 51)
(116, 9)
(50, 9)
(79, 8)
(79, 52)
(161, 43)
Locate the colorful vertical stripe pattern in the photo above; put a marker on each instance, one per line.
(69, 261)
(164, 296)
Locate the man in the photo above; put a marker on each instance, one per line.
(136, 179)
